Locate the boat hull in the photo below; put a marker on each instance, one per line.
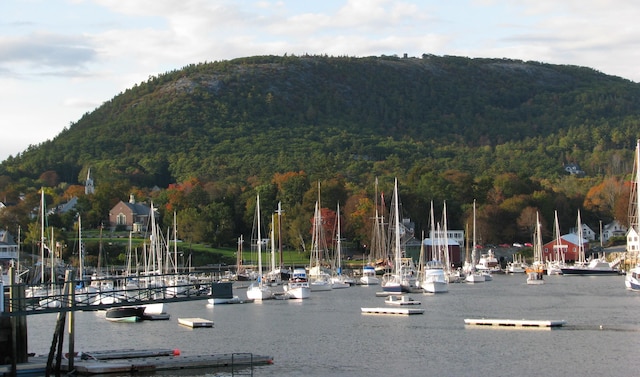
(435, 287)
(588, 272)
(126, 314)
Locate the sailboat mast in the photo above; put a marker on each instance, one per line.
(538, 249)
(175, 244)
(445, 250)
(396, 204)
(273, 243)
(280, 234)
(51, 254)
(80, 249)
(42, 235)
(338, 246)
(473, 250)
(259, 240)
(581, 257)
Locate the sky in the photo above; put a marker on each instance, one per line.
(60, 59)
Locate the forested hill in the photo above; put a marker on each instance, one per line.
(356, 117)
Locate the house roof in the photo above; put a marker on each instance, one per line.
(137, 208)
(573, 238)
(450, 242)
(6, 238)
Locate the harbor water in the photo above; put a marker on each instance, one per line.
(327, 335)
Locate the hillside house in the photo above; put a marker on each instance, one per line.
(130, 215)
(8, 247)
(613, 229)
(574, 169)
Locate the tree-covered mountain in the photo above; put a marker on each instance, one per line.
(451, 128)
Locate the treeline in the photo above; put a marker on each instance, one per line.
(204, 139)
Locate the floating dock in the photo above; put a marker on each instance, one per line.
(195, 322)
(518, 323)
(401, 311)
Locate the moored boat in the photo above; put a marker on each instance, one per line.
(369, 276)
(595, 267)
(535, 277)
(125, 314)
(298, 286)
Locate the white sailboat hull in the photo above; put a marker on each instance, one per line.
(259, 293)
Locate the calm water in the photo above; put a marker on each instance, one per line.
(327, 335)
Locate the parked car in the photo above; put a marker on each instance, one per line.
(504, 245)
(515, 244)
(528, 244)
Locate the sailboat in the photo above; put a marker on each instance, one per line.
(258, 290)
(404, 277)
(471, 274)
(632, 279)
(338, 280)
(595, 266)
(319, 278)
(538, 265)
(279, 272)
(432, 273)
(536, 271)
(555, 265)
(379, 250)
(376, 248)
(44, 293)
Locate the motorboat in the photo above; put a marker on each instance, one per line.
(298, 286)
(369, 276)
(535, 277)
(434, 280)
(596, 266)
(125, 314)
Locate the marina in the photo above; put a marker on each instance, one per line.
(597, 311)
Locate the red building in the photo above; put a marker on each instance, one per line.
(569, 246)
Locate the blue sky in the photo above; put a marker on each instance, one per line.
(61, 59)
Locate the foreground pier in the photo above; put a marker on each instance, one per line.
(137, 361)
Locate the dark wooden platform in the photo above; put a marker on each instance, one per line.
(135, 361)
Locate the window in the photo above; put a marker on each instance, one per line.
(121, 219)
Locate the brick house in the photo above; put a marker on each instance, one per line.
(130, 215)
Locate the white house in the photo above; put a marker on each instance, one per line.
(612, 229)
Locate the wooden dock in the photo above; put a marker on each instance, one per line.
(517, 323)
(195, 322)
(401, 311)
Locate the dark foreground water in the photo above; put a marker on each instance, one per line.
(327, 335)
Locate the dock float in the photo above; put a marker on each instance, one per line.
(518, 323)
(195, 322)
(401, 311)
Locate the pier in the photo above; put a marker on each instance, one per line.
(67, 297)
(139, 361)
